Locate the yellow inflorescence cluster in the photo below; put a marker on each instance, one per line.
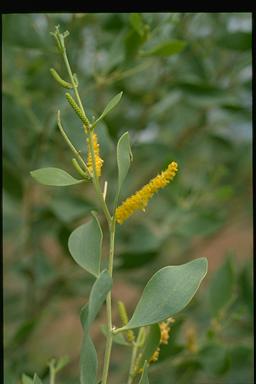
(99, 162)
(165, 329)
(165, 334)
(140, 199)
(155, 356)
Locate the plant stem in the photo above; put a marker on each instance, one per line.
(73, 149)
(95, 177)
(136, 346)
(108, 302)
(110, 220)
(52, 375)
(73, 83)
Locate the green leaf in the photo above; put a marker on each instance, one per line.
(85, 245)
(151, 344)
(69, 208)
(137, 23)
(26, 379)
(168, 292)
(61, 363)
(54, 176)
(88, 356)
(124, 158)
(221, 287)
(113, 102)
(88, 361)
(37, 380)
(144, 376)
(237, 41)
(215, 359)
(168, 48)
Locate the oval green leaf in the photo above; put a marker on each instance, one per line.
(88, 356)
(113, 102)
(124, 158)
(168, 48)
(54, 176)
(85, 245)
(168, 292)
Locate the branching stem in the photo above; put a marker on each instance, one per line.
(110, 220)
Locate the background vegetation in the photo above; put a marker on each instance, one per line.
(189, 102)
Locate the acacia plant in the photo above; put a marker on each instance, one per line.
(167, 292)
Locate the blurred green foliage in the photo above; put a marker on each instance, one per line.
(186, 82)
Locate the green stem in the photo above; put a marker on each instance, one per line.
(95, 177)
(136, 346)
(73, 83)
(108, 302)
(52, 375)
(71, 146)
(110, 220)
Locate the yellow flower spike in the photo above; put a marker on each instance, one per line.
(139, 200)
(98, 161)
(155, 356)
(165, 330)
(165, 335)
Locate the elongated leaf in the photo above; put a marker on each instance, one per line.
(88, 361)
(37, 380)
(26, 379)
(98, 295)
(113, 102)
(238, 41)
(168, 292)
(151, 344)
(124, 158)
(137, 23)
(61, 363)
(54, 176)
(88, 356)
(85, 244)
(144, 376)
(168, 48)
(221, 287)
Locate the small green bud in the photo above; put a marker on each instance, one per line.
(59, 80)
(79, 170)
(124, 318)
(78, 111)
